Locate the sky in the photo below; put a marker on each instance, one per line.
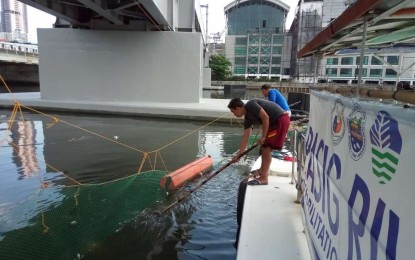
(38, 19)
(216, 17)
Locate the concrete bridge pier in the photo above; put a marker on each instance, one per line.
(120, 66)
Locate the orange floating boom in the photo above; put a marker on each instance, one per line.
(190, 171)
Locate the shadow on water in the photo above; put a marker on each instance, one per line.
(45, 214)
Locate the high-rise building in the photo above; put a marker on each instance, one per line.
(311, 17)
(14, 25)
(256, 41)
(307, 24)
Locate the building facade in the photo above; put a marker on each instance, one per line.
(386, 66)
(311, 17)
(14, 24)
(256, 42)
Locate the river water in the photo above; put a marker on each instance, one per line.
(41, 156)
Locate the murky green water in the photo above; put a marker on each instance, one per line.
(118, 220)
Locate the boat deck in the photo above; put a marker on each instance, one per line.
(272, 226)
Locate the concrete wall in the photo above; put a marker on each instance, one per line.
(186, 15)
(122, 66)
(207, 77)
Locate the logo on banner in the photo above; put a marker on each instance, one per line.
(387, 145)
(337, 122)
(356, 124)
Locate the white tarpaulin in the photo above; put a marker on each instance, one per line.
(358, 178)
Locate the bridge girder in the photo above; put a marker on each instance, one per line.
(105, 14)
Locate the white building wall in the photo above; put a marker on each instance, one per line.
(120, 66)
(186, 14)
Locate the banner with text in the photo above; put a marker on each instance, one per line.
(358, 178)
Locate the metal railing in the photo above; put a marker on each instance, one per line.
(298, 151)
(19, 52)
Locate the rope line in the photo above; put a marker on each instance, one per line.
(7, 87)
(84, 129)
(180, 138)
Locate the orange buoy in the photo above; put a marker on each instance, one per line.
(190, 171)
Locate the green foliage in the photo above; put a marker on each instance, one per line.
(263, 79)
(237, 78)
(220, 67)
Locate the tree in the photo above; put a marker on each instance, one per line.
(220, 67)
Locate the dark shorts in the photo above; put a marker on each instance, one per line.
(276, 134)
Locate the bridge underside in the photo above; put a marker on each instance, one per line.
(143, 15)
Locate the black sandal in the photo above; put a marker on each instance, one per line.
(255, 174)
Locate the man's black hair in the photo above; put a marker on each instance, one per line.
(236, 102)
(266, 86)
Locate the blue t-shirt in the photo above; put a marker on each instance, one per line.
(276, 97)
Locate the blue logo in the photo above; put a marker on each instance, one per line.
(337, 122)
(356, 124)
(387, 145)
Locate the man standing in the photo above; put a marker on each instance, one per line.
(275, 123)
(276, 97)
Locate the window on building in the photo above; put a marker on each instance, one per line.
(240, 51)
(365, 60)
(276, 50)
(240, 41)
(331, 72)
(277, 39)
(266, 40)
(347, 61)
(252, 70)
(276, 70)
(364, 73)
(332, 61)
(252, 60)
(375, 73)
(253, 50)
(345, 72)
(239, 70)
(376, 61)
(264, 70)
(255, 15)
(240, 60)
(265, 49)
(265, 60)
(393, 60)
(276, 60)
(390, 73)
(253, 39)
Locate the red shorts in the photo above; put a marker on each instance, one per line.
(276, 136)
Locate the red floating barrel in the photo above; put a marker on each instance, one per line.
(190, 171)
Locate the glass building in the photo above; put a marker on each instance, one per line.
(256, 43)
(14, 25)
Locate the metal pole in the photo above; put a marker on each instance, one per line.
(362, 56)
(316, 58)
(295, 155)
(399, 72)
(207, 14)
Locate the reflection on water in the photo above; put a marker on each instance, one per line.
(58, 190)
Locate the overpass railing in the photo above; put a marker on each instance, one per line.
(19, 52)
